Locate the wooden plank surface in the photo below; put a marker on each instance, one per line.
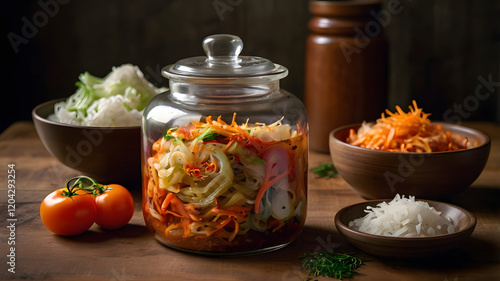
(132, 253)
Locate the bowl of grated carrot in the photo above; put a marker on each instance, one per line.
(405, 153)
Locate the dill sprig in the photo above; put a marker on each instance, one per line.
(330, 264)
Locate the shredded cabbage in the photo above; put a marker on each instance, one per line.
(113, 101)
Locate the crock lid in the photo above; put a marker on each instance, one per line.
(223, 61)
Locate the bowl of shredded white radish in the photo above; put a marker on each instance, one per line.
(404, 227)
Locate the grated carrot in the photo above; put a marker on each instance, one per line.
(406, 132)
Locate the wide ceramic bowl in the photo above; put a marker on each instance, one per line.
(107, 154)
(379, 174)
(406, 247)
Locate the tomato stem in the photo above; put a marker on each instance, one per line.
(84, 183)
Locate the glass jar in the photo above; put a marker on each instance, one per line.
(225, 155)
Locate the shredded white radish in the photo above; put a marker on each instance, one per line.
(403, 217)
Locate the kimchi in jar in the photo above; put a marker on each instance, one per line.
(224, 156)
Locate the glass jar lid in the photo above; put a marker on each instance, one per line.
(223, 61)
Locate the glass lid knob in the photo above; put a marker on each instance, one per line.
(223, 48)
(223, 60)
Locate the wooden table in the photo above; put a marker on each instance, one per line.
(133, 254)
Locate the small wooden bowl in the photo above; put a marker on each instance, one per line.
(406, 247)
(107, 154)
(379, 174)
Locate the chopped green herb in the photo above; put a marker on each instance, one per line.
(167, 134)
(325, 170)
(211, 136)
(330, 264)
(168, 137)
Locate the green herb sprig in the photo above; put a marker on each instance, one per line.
(330, 264)
(211, 136)
(167, 134)
(325, 170)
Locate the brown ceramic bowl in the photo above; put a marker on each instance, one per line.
(379, 174)
(107, 154)
(406, 247)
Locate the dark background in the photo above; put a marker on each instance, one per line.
(439, 50)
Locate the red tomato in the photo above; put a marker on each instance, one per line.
(68, 215)
(115, 207)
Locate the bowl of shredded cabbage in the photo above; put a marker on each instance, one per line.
(405, 227)
(97, 130)
(405, 153)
